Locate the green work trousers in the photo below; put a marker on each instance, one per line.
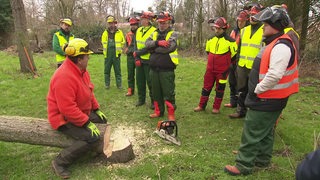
(110, 61)
(131, 71)
(142, 78)
(257, 140)
(163, 88)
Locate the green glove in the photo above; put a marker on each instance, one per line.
(93, 128)
(101, 115)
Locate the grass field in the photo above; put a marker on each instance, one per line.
(207, 140)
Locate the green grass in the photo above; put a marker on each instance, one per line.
(207, 140)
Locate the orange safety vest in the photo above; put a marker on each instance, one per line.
(288, 84)
(235, 36)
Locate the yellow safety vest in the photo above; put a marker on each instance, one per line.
(173, 55)
(250, 46)
(221, 46)
(141, 37)
(119, 40)
(286, 30)
(62, 42)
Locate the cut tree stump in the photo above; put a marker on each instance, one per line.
(39, 132)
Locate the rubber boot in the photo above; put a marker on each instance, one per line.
(156, 112)
(170, 109)
(216, 105)
(130, 92)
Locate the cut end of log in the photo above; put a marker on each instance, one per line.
(118, 149)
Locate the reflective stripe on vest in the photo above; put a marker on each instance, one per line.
(173, 55)
(141, 37)
(289, 83)
(62, 42)
(250, 46)
(119, 42)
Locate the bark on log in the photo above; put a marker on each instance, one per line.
(39, 132)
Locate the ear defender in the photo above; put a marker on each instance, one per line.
(69, 50)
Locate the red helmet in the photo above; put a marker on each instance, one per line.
(147, 14)
(255, 9)
(243, 15)
(164, 16)
(133, 21)
(221, 22)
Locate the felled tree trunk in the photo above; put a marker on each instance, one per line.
(39, 132)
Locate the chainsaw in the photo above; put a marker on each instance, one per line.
(168, 130)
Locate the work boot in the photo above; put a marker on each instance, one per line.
(236, 115)
(215, 111)
(130, 92)
(229, 105)
(155, 115)
(60, 170)
(198, 109)
(232, 170)
(171, 117)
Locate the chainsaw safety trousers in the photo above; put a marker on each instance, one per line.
(204, 98)
(217, 103)
(84, 143)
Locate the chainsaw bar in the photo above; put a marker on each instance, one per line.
(162, 133)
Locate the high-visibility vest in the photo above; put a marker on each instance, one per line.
(250, 46)
(142, 34)
(62, 42)
(221, 46)
(173, 55)
(119, 42)
(288, 84)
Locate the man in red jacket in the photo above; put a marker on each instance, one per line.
(70, 101)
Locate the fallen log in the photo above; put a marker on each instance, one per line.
(38, 131)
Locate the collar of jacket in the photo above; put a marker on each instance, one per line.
(74, 67)
(269, 39)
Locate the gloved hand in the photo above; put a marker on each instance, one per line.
(138, 63)
(163, 43)
(135, 54)
(101, 116)
(93, 128)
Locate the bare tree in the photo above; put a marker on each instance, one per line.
(22, 41)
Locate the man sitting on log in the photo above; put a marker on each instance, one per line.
(70, 102)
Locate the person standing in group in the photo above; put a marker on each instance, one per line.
(130, 43)
(142, 56)
(221, 53)
(112, 40)
(60, 38)
(242, 21)
(272, 80)
(70, 105)
(250, 44)
(163, 61)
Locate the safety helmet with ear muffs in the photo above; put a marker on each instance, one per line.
(76, 47)
(274, 16)
(221, 22)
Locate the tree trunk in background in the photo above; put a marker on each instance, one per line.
(200, 20)
(37, 131)
(21, 36)
(304, 25)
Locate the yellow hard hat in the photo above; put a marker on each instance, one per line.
(67, 21)
(77, 47)
(111, 19)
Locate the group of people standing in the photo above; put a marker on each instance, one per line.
(260, 57)
(72, 107)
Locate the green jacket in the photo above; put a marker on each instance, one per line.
(58, 41)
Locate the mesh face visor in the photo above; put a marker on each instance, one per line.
(264, 15)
